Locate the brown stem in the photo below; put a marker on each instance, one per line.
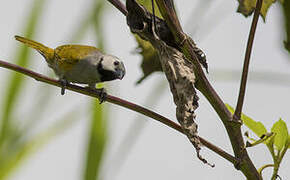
(239, 107)
(233, 128)
(119, 5)
(117, 101)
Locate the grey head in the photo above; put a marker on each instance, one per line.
(110, 68)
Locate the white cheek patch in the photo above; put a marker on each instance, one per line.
(108, 62)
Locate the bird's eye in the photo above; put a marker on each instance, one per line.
(116, 63)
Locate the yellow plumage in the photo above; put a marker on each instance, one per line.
(47, 52)
(69, 55)
(65, 56)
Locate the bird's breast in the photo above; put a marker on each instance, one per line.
(83, 72)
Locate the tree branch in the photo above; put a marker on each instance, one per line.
(117, 101)
(119, 5)
(166, 8)
(239, 107)
(177, 69)
(186, 46)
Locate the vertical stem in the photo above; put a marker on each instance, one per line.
(239, 107)
(16, 82)
(97, 135)
(233, 129)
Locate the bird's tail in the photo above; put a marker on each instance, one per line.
(46, 52)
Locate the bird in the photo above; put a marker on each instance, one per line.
(79, 64)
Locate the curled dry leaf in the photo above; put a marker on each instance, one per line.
(178, 70)
(150, 60)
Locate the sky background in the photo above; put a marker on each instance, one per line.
(160, 152)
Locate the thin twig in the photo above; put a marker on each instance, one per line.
(278, 159)
(264, 167)
(203, 141)
(117, 101)
(119, 5)
(239, 107)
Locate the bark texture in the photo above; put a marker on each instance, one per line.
(178, 70)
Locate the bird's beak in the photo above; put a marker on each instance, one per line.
(121, 71)
(120, 74)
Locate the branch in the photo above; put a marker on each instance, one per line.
(177, 69)
(239, 107)
(117, 101)
(186, 45)
(119, 5)
(175, 37)
(188, 50)
(264, 167)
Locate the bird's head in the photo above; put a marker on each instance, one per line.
(111, 68)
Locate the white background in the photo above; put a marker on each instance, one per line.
(160, 152)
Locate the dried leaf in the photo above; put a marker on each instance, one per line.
(247, 7)
(148, 5)
(150, 60)
(178, 71)
(286, 10)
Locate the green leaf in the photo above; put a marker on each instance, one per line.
(289, 142)
(247, 7)
(97, 135)
(15, 81)
(286, 11)
(257, 127)
(14, 158)
(230, 108)
(96, 143)
(150, 59)
(39, 106)
(148, 5)
(281, 134)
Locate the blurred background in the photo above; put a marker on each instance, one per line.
(48, 136)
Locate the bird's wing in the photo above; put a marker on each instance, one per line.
(69, 55)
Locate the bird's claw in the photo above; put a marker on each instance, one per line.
(102, 94)
(64, 84)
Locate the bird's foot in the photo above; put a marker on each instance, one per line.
(64, 84)
(102, 94)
